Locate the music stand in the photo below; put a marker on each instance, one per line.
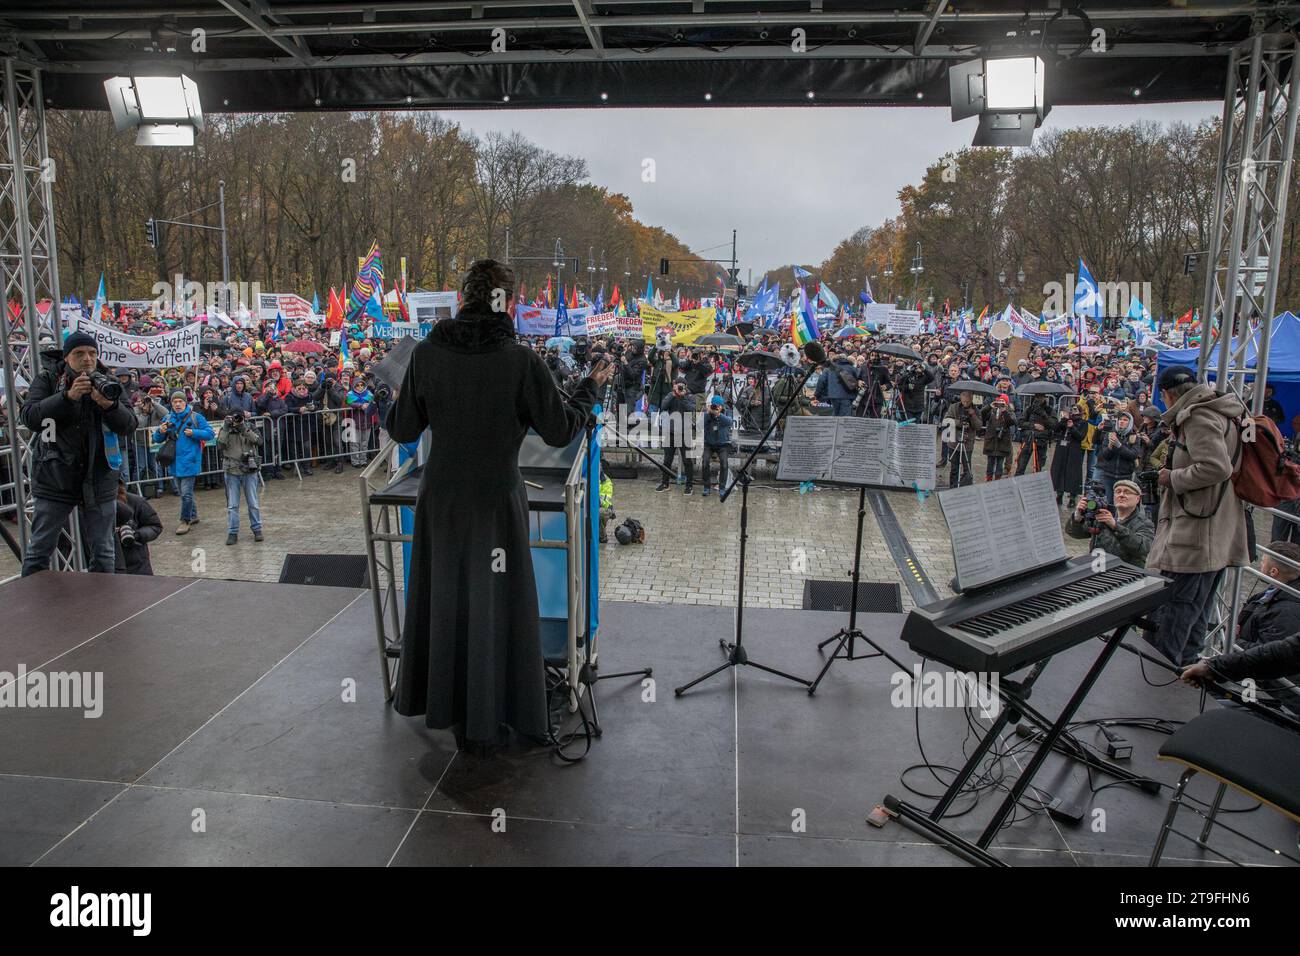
(735, 650)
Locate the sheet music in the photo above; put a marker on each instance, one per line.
(912, 462)
(858, 451)
(807, 448)
(861, 450)
(1019, 514)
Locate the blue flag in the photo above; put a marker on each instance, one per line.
(561, 314)
(649, 290)
(600, 300)
(1087, 297)
(827, 297)
(374, 307)
(802, 273)
(315, 303)
(279, 327)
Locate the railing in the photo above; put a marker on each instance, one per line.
(288, 440)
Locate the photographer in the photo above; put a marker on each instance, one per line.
(910, 386)
(1202, 523)
(239, 444)
(838, 384)
(78, 454)
(1067, 456)
(966, 424)
(1039, 422)
(137, 525)
(661, 376)
(1119, 453)
(717, 443)
(1126, 532)
(999, 424)
(680, 410)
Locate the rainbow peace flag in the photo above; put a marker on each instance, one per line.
(370, 276)
(803, 324)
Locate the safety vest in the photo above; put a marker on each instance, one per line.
(606, 492)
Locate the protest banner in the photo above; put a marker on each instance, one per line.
(686, 326)
(903, 322)
(171, 349)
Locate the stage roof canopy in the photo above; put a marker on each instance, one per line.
(271, 55)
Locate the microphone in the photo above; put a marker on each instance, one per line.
(815, 353)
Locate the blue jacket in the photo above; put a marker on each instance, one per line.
(829, 386)
(189, 453)
(717, 431)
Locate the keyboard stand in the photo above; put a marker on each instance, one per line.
(1015, 695)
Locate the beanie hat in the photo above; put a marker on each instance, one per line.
(175, 394)
(79, 340)
(1132, 486)
(717, 400)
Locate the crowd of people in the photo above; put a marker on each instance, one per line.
(258, 403)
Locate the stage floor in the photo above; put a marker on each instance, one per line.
(226, 739)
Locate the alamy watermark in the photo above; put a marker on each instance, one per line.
(73, 690)
(932, 689)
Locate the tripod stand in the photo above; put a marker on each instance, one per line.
(849, 636)
(735, 650)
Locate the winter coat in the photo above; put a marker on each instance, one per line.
(998, 427)
(1202, 524)
(77, 454)
(235, 445)
(969, 417)
(189, 448)
(1130, 540)
(139, 514)
(1118, 461)
(240, 401)
(717, 431)
(830, 385)
(471, 646)
(1268, 616)
(1068, 456)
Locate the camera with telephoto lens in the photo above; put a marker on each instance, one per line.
(1149, 481)
(1094, 500)
(235, 424)
(107, 386)
(382, 392)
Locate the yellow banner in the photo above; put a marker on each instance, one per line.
(687, 326)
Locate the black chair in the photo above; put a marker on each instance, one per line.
(1242, 750)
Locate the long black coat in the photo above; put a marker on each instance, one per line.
(1068, 457)
(471, 644)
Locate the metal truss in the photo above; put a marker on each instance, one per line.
(1251, 186)
(29, 273)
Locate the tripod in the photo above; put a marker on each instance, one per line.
(735, 650)
(849, 636)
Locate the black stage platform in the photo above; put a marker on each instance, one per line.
(227, 698)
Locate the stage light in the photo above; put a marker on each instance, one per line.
(164, 110)
(1008, 95)
(708, 97)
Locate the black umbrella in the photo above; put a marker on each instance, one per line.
(902, 351)
(207, 343)
(1045, 388)
(970, 385)
(743, 329)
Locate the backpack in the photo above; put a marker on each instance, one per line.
(630, 531)
(1263, 473)
(1266, 475)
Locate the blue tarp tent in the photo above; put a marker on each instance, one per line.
(1283, 363)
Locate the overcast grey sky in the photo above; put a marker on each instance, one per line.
(793, 182)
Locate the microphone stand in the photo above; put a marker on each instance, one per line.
(735, 650)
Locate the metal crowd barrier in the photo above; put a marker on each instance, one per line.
(289, 440)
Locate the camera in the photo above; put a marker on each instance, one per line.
(1094, 500)
(1150, 484)
(109, 387)
(382, 392)
(235, 423)
(249, 461)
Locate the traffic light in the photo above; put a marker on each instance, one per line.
(663, 267)
(1189, 263)
(151, 233)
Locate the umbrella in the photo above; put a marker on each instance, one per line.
(304, 345)
(720, 340)
(561, 341)
(742, 329)
(392, 369)
(970, 385)
(1045, 388)
(212, 343)
(902, 351)
(1152, 347)
(851, 330)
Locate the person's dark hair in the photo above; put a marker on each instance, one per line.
(481, 282)
(1288, 549)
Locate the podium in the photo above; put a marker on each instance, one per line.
(564, 561)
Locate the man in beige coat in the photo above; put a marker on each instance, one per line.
(1201, 527)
